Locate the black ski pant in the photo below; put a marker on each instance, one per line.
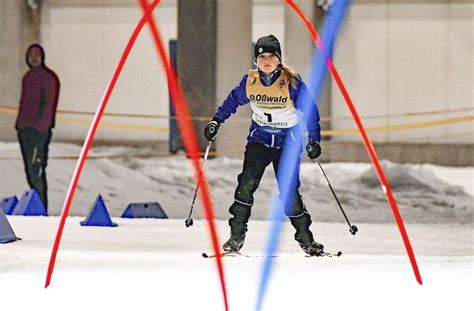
(34, 149)
(257, 158)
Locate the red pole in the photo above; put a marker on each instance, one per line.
(90, 136)
(368, 144)
(190, 143)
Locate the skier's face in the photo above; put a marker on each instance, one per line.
(267, 62)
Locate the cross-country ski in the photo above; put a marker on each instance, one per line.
(238, 254)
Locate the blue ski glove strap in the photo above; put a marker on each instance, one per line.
(314, 149)
(211, 129)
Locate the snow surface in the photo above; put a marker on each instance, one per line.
(149, 264)
(157, 265)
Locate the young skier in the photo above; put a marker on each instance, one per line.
(274, 92)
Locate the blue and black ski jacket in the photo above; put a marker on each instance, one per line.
(276, 107)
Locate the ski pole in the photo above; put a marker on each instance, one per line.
(352, 228)
(189, 220)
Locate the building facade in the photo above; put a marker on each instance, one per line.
(407, 65)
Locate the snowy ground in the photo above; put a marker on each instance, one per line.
(157, 264)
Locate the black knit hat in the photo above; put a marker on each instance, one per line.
(268, 44)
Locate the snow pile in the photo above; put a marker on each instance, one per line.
(425, 193)
(408, 177)
(420, 194)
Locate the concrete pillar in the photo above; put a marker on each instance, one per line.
(324, 103)
(197, 36)
(300, 48)
(19, 27)
(234, 58)
(212, 57)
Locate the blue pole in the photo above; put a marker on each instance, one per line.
(289, 164)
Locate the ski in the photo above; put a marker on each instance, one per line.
(326, 254)
(224, 254)
(238, 254)
(234, 254)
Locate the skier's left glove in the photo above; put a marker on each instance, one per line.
(211, 129)
(313, 148)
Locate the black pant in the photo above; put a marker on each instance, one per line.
(257, 158)
(34, 149)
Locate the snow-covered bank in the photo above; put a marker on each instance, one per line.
(425, 193)
(157, 265)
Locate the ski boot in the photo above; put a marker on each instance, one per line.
(233, 245)
(313, 248)
(238, 227)
(304, 236)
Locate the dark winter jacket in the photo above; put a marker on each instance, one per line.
(270, 136)
(39, 97)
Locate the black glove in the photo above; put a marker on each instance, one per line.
(211, 129)
(314, 149)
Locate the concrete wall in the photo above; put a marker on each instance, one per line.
(440, 154)
(301, 49)
(19, 26)
(233, 58)
(406, 57)
(84, 43)
(397, 58)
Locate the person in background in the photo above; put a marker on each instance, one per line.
(36, 118)
(274, 93)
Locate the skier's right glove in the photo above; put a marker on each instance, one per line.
(211, 129)
(313, 148)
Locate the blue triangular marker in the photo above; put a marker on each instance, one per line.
(30, 204)
(144, 210)
(98, 215)
(8, 204)
(6, 232)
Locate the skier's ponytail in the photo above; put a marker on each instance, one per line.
(292, 75)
